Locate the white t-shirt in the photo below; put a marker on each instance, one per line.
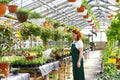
(78, 44)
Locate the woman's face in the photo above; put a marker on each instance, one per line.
(74, 36)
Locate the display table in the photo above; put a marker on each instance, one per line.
(44, 70)
(20, 76)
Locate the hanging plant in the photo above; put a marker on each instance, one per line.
(22, 14)
(34, 15)
(3, 7)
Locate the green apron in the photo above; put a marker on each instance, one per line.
(78, 73)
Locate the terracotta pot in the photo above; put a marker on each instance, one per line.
(3, 9)
(117, 60)
(118, 66)
(86, 16)
(81, 9)
(12, 8)
(22, 17)
(30, 57)
(4, 67)
(71, 0)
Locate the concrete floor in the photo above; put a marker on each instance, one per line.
(92, 66)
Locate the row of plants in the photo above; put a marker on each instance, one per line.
(111, 55)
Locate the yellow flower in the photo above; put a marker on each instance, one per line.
(110, 60)
(33, 53)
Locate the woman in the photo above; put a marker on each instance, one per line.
(77, 55)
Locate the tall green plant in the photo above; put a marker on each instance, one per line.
(46, 34)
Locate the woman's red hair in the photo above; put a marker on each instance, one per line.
(79, 35)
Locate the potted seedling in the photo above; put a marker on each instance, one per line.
(6, 41)
(22, 14)
(3, 7)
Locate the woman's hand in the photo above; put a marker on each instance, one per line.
(78, 64)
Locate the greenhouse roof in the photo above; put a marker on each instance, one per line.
(62, 11)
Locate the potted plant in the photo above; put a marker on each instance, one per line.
(35, 17)
(22, 14)
(3, 7)
(6, 41)
(12, 8)
(56, 52)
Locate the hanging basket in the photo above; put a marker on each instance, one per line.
(71, 0)
(86, 16)
(81, 9)
(3, 9)
(12, 8)
(22, 17)
(4, 69)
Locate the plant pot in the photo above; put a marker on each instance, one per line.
(3, 9)
(30, 57)
(12, 8)
(71, 0)
(22, 17)
(4, 67)
(117, 60)
(15, 72)
(86, 16)
(118, 66)
(81, 9)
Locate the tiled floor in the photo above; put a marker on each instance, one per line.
(92, 66)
